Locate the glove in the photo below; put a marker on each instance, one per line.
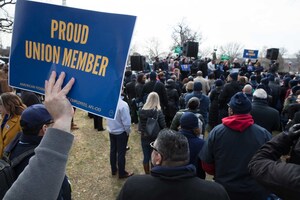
(294, 132)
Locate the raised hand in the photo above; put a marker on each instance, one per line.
(294, 132)
(57, 102)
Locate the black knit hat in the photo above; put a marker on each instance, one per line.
(234, 76)
(218, 82)
(240, 104)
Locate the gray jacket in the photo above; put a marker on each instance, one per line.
(43, 176)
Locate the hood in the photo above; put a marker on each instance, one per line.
(238, 122)
(174, 173)
(187, 133)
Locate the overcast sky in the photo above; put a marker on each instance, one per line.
(254, 24)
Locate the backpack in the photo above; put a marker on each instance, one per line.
(7, 172)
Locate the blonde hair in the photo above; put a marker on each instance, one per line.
(152, 102)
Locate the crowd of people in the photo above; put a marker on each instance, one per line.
(239, 107)
(215, 118)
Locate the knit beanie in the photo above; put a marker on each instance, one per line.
(240, 104)
(189, 121)
(197, 86)
(218, 82)
(234, 76)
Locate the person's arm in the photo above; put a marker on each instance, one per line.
(175, 122)
(125, 117)
(266, 167)
(206, 155)
(43, 176)
(161, 120)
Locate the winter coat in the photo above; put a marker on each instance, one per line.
(171, 183)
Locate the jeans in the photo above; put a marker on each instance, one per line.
(147, 150)
(118, 145)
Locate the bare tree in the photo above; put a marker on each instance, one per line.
(232, 49)
(6, 21)
(283, 51)
(183, 33)
(153, 47)
(280, 59)
(298, 56)
(205, 52)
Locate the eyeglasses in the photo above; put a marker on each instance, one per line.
(153, 148)
(49, 124)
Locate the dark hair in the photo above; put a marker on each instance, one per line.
(28, 130)
(173, 146)
(193, 103)
(140, 78)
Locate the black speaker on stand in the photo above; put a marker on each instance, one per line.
(272, 54)
(190, 49)
(137, 63)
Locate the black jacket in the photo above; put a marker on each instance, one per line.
(213, 116)
(159, 88)
(264, 115)
(145, 114)
(171, 183)
(173, 102)
(228, 91)
(130, 90)
(280, 177)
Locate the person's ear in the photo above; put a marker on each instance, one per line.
(44, 127)
(197, 131)
(230, 112)
(158, 159)
(43, 130)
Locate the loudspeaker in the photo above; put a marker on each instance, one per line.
(272, 54)
(190, 49)
(137, 63)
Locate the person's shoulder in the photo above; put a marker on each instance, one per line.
(218, 130)
(211, 190)
(188, 96)
(122, 104)
(258, 130)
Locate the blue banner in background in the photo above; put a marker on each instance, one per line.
(252, 54)
(90, 46)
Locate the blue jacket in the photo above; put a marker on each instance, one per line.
(195, 146)
(230, 151)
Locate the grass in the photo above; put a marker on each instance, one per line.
(88, 166)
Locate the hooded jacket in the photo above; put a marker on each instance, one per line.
(171, 183)
(228, 150)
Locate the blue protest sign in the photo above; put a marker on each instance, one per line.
(252, 54)
(186, 67)
(90, 46)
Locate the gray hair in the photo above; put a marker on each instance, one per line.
(174, 147)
